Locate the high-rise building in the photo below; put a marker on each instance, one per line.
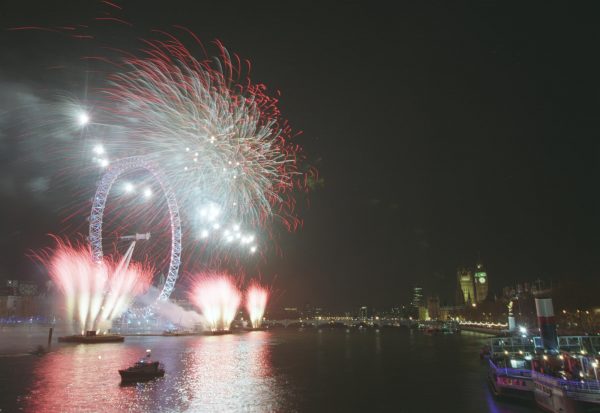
(417, 299)
(465, 280)
(481, 283)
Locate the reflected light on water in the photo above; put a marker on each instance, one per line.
(214, 373)
(224, 373)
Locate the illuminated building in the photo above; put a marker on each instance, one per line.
(291, 312)
(465, 281)
(433, 307)
(423, 313)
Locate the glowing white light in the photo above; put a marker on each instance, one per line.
(83, 118)
(147, 192)
(216, 225)
(253, 249)
(103, 163)
(210, 212)
(98, 149)
(128, 187)
(236, 227)
(204, 233)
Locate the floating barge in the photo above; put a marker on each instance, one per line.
(90, 337)
(216, 333)
(195, 333)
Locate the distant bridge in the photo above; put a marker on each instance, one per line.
(346, 321)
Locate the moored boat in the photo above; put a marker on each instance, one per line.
(509, 366)
(559, 373)
(558, 390)
(510, 380)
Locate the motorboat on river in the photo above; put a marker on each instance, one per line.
(143, 370)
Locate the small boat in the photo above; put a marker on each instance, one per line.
(143, 370)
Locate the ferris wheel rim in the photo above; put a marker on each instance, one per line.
(115, 170)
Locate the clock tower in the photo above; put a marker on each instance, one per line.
(481, 283)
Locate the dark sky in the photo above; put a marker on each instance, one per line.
(441, 132)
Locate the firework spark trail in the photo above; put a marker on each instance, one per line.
(256, 302)
(218, 298)
(221, 139)
(124, 285)
(94, 293)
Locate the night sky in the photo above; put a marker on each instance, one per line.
(441, 132)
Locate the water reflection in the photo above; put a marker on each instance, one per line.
(282, 371)
(224, 373)
(220, 373)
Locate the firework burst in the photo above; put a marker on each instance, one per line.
(218, 298)
(256, 302)
(220, 137)
(95, 293)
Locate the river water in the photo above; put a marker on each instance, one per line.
(393, 370)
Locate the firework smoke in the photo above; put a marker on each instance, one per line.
(218, 298)
(256, 302)
(171, 311)
(95, 293)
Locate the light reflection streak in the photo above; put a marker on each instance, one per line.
(225, 373)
